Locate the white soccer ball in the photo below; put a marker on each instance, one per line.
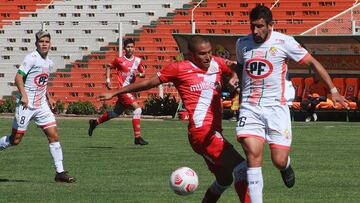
(184, 181)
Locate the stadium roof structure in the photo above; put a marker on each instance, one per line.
(224, 45)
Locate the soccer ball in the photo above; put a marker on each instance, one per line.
(184, 181)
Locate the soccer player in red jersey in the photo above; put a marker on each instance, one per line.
(198, 81)
(127, 67)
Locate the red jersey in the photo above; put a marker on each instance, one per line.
(199, 89)
(126, 69)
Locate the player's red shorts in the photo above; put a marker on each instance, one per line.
(126, 99)
(210, 144)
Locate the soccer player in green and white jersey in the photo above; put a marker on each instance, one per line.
(33, 102)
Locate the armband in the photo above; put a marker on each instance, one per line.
(333, 90)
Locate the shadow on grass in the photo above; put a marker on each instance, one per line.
(13, 181)
(99, 147)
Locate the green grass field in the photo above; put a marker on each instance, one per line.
(110, 168)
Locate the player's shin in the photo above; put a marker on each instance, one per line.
(57, 155)
(5, 142)
(255, 181)
(240, 182)
(136, 122)
(214, 192)
(106, 116)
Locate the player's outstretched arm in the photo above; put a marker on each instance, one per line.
(135, 87)
(320, 70)
(108, 76)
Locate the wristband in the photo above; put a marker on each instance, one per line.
(333, 90)
(108, 80)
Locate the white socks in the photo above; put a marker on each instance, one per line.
(5, 142)
(288, 163)
(56, 153)
(256, 184)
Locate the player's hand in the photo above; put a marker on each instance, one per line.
(230, 63)
(108, 85)
(141, 75)
(52, 103)
(336, 97)
(24, 101)
(104, 96)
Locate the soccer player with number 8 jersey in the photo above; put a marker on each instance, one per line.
(33, 101)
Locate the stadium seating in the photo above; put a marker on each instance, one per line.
(74, 51)
(352, 92)
(78, 27)
(298, 84)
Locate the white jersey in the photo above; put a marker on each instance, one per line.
(265, 67)
(36, 72)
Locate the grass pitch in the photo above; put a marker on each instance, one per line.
(110, 168)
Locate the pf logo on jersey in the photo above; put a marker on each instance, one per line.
(41, 80)
(258, 68)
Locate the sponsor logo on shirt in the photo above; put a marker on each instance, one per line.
(258, 68)
(203, 86)
(41, 79)
(281, 41)
(273, 51)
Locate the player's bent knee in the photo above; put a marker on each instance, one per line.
(279, 163)
(137, 113)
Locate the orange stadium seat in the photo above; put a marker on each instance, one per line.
(328, 104)
(352, 91)
(340, 85)
(298, 84)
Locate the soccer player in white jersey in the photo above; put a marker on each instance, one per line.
(264, 114)
(32, 103)
(198, 81)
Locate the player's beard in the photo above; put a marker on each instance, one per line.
(258, 39)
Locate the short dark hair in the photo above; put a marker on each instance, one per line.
(261, 11)
(128, 41)
(195, 40)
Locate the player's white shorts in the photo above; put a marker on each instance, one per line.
(43, 117)
(271, 124)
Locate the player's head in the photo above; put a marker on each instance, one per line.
(43, 42)
(261, 23)
(200, 51)
(129, 47)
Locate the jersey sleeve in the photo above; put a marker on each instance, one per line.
(26, 65)
(140, 68)
(168, 73)
(295, 51)
(224, 68)
(239, 54)
(115, 63)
